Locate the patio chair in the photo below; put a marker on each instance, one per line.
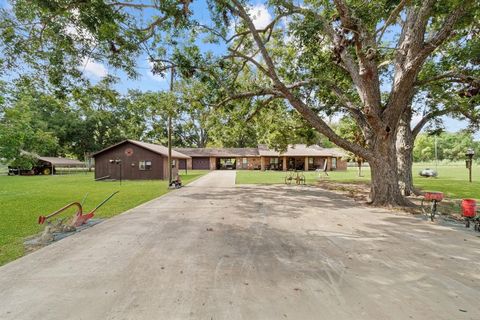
(289, 177)
(300, 179)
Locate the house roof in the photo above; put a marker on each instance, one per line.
(264, 151)
(159, 149)
(219, 152)
(301, 150)
(296, 150)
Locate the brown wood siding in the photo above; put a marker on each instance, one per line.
(130, 168)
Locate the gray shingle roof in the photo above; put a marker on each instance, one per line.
(219, 152)
(297, 150)
(162, 150)
(301, 150)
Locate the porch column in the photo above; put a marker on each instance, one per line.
(262, 163)
(306, 164)
(189, 164)
(284, 163)
(213, 163)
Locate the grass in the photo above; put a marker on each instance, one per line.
(311, 177)
(24, 198)
(452, 179)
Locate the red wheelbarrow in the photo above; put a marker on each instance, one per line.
(79, 218)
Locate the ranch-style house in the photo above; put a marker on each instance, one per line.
(140, 160)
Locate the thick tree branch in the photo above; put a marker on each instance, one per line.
(299, 105)
(425, 119)
(407, 71)
(441, 35)
(240, 11)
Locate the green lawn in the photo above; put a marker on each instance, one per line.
(23, 199)
(452, 179)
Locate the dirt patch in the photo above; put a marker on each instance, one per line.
(360, 192)
(357, 191)
(53, 233)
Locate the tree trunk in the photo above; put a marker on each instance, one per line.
(385, 190)
(404, 145)
(359, 168)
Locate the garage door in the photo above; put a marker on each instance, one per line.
(182, 164)
(201, 163)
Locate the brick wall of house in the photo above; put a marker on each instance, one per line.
(341, 164)
(252, 163)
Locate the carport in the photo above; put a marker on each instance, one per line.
(53, 164)
(226, 163)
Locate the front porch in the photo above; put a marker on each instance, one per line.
(286, 163)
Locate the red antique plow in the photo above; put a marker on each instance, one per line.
(79, 218)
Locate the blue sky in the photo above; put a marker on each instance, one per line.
(148, 82)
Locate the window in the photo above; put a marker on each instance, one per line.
(310, 161)
(273, 160)
(144, 165)
(244, 160)
(334, 163)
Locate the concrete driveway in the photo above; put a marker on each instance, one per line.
(215, 251)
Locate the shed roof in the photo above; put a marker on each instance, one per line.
(58, 161)
(159, 149)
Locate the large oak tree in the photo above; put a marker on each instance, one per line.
(357, 57)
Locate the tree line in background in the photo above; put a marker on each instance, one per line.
(379, 63)
(450, 146)
(90, 118)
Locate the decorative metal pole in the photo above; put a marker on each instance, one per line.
(469, 154)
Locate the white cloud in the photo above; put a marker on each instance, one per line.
(155, 77)
(93, 68)
(260, 15)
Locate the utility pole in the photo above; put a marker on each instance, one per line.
(172, 75)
